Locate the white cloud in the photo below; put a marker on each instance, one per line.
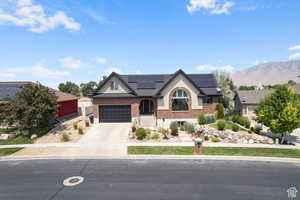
(295, 56)
(112, 69)
(207, 67)
(211, 6)
(32, 16)
(99, 18)
(292, 48)
(100, 60)
(5, 74)
(70, 62)
(259, 62)
(40, 71)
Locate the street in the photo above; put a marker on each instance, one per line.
(147, 179)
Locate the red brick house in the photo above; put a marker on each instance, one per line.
(155, 100)
(67, 103)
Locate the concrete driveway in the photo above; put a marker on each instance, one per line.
(105, 139)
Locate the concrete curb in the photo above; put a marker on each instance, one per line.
(156, 157)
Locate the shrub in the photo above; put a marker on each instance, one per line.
(154, 136)
(189, 127)
(140, 133)
(244, 121)
(80, 131)
(221, 124)
(133, 129)
(206, 138)
(75, 126)
(235, 118)
(210, 119)
(220, 111)
(214, 139)
(235, 128)
(65, 137)
(148, 130)
(257, 129)
(250, 131)
(164, 132)
(201, 119)
(181, 128)
(87, 123)
(174, 128)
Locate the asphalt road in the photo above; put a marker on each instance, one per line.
(147, 179)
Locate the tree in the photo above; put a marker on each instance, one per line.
(291, 82)
(220, 111)
(280, 111)
(88, 88)
(243, 87)
(34, 106)
(227, 88)
(69, 87)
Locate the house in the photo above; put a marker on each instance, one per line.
(246, 101)
(67, 103)
(155, 100)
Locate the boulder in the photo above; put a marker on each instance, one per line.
(4, 136)
(33, 136)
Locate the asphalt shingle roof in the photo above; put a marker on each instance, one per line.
(252, 96)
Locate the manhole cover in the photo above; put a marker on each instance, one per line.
(72, 181)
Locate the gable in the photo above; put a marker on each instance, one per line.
(122, 88)
(180, 81)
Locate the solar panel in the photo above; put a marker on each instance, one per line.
(146, 85)
(148, 78)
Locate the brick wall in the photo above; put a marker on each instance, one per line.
(168, 114)
(134, 102)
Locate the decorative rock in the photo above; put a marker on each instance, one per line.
(33, 136)
(4, 136)
(251, 141)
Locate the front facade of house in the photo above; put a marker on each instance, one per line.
(155, 100)
(246, 101)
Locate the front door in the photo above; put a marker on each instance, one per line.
(146, 107)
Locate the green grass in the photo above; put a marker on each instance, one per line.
(6, 152)
(224, 151)
(7, 130)
(227, 127)
(17, 140)
(160, 150)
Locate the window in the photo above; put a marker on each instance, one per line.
(180, 101)
(113, 85)
(207, 99)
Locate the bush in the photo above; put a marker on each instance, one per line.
(220, 111)
(214, 139)
(206, 138)
(133, 129)
(75, 126)
(80, 131)
(174, 128)
(87, 123)
(154, 136)
(235, 118)
(244, 121)
(164, 132)
(140, 133)
(235, 128)
(210, 119)
(189, 127)
(181, 128)
(221, 124)
(65, 137)
(257, 129)
(148, 130)
(201, 119)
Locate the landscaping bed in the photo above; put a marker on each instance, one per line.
(221, 151)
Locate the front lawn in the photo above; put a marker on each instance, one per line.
(6, 152)
(7, 130)
(160, 150)
(227, 127)
(17, 140)
(221, 151)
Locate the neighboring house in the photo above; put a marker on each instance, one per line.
(67, 103)
(246, 101)
(155, 100)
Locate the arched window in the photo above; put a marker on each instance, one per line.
(180, 100)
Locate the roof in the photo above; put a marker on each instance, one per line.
(150, 85)
(9, 90)
(252, 96)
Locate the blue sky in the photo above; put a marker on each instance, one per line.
(54, 41)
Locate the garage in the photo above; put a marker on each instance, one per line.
(115, 113)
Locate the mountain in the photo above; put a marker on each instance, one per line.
(268, 73)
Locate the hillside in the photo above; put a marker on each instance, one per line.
(268, 73)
